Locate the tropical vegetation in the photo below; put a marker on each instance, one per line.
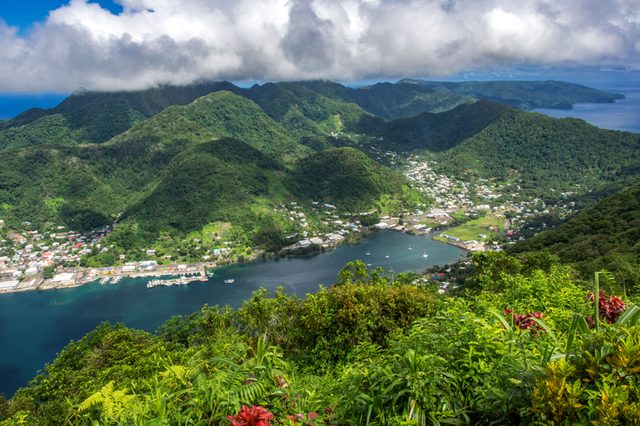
(523, 342)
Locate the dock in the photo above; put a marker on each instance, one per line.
(183, 280)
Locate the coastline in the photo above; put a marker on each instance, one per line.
(66, 278)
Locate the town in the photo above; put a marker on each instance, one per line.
(473, 215)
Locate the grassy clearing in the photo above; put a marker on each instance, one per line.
(490, 225)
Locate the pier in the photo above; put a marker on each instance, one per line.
(183, 280)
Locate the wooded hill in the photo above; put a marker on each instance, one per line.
(604, 236)
(140, 156)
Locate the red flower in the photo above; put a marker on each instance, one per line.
(610, 307)
(251, 416)
(525, 321)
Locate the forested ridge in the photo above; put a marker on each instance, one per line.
(604, 236)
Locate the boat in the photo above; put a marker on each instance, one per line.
(386, 257)
(367, 254)
(229, 281)
(425, 255)
(410, 248)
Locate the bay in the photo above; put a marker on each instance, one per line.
(35, 326)
(624, 114)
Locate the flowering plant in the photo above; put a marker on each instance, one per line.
(251, 416)
(611, 307)
(525, 321)
(304, 419)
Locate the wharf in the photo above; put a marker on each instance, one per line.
(183, 280)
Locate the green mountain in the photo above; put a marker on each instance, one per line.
(604, 236)
(300, 108)
(544, 153)
(209, 182)
(95, 117)
(218, 160)
(345, 177)
(408, 98)
(90, 185)
(220, 114)
(436, 132)
(389, 100)
(308, 109)
(523, 94)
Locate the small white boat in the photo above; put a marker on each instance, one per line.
(229, 281)
(425, 254)
(410, 248)
(367, 254)
(386, 257)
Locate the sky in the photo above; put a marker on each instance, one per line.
(51, 46)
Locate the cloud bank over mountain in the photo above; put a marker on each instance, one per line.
(180, 41)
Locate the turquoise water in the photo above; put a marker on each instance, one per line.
(624, 114)
(34, 326)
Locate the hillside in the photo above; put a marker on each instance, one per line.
(437, 132)
(87, 186)
(345, 177)
(209, 182)
(301, 109)
(523, 94)
(399, 100)
(544, 153)
(218, 115)
(95, 117)
(605, 236)
(307, 109)
(39, 184)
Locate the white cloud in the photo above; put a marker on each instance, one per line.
(180, 41)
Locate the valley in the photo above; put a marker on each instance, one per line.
(162, 193)
(415, 200)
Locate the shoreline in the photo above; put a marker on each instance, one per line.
(80, 276)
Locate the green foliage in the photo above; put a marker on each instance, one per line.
(436, 132)
(524, 94)
(543, 153)
(48, 272)
(345, 177)
(374, 349)
(596, 385)
(604, 236)
(96, 117)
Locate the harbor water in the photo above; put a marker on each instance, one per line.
(35, 326)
